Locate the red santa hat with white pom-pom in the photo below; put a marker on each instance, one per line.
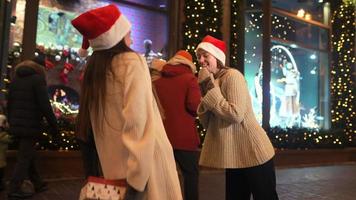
(214, 46)
(102, 28)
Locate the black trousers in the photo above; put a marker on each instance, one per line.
(188, 164)
(260, 181)
(25, 166)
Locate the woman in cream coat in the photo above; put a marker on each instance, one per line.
(234, 140)
(117, 101)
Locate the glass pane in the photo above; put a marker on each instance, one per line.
(54, 28)
(311, 10)
(60, 41)
(298, 93)
(296, 31)
(161, 4)
(16, 29)
(253, 59)
(253, 4)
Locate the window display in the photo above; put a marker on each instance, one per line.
(295, 85)
(60, 41)
(299, 62)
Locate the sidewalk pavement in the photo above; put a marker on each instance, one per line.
(337, 182)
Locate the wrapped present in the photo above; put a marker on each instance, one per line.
(99, 188)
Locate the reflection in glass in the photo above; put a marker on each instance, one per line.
(17, 25)
(300, 32)
(254, 4)
(253, 59)
(161, 4)
(309, 10)
(55, 30)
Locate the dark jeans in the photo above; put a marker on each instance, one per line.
(188, 164)
(25, 166)
(90, 157)
(260, 181)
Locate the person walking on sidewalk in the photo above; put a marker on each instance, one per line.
(118, 103)
(234, 140)
(28, 103)
(4, 143)
(179, 95)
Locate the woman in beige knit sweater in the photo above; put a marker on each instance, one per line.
(234, 140)
(117, 101)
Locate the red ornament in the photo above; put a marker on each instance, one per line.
(48, 64)
(64, 74)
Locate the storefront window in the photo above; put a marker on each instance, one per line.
(253, 59)
(60, 41)
(286, 28)
(296, 86)
(16, 28)
(299, 85)
(310, 10)
(54, 28)
(318, 10)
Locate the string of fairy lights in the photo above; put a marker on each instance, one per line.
(343, 71)
(234, 30)
(201, 18)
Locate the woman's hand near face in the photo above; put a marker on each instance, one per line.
(203, 74)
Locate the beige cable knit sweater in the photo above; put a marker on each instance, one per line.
(234, 138)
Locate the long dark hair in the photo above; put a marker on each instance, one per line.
(93, 90)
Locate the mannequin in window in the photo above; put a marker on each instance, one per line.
(290, 109)
(149, 53)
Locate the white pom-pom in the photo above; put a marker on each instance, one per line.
(57, 58)
(83, 52)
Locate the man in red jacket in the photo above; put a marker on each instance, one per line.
(179, 96)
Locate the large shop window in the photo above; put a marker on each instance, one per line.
(60, 41)
(149, 21)
(299, 85)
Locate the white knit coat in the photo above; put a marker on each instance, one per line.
(234, 138)
(133, 144)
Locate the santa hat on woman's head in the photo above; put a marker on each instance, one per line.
(102, 28)
(183, 57)
(214, 46)
(184, 54)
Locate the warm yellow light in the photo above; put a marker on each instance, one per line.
(301, 13)
(308, 16)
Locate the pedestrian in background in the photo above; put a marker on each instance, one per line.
(117, 102)
(28, 103)
(179, 95)
(4, 142)
(234, 141)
